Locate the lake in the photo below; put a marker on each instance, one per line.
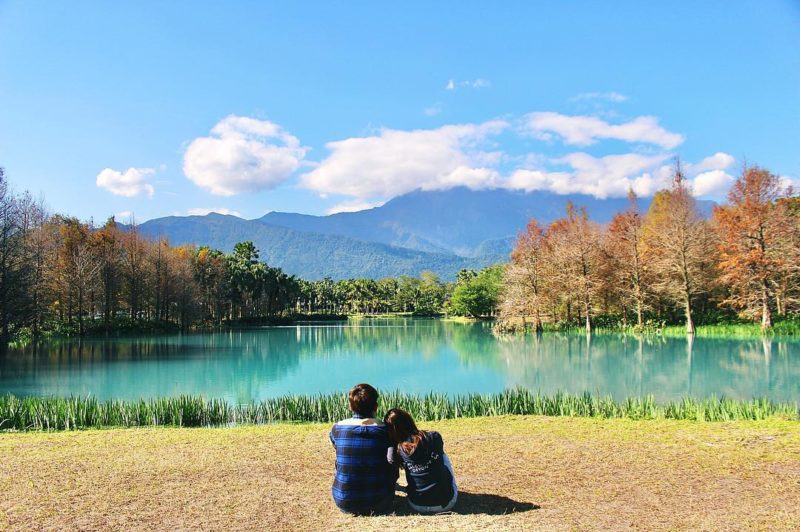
(413, 355)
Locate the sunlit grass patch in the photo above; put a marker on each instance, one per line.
(786, 327)
(515, 473)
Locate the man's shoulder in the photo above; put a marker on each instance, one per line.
(361, 422)
(348, 431)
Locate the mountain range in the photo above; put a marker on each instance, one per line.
(441, 231)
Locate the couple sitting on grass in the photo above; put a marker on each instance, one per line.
(369, 452)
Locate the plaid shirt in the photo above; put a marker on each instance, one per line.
(364, 478)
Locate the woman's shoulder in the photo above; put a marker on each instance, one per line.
(433, 436)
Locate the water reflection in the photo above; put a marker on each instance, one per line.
(412, 355)
(668, 368)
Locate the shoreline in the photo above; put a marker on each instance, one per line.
(739, 331)
(785, 328)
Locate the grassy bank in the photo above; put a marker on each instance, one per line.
(787, 327)
(790, 327)
(514, 473)
(53, 413)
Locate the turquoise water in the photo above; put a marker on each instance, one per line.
(408, 355)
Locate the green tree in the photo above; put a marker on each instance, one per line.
(477, 295)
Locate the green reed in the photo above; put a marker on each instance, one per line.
(71, 413)
(781, 327)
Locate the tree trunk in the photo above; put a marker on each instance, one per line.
(689, 322)
(766, 314)
(80, 311)
(639, 308)
(587, 312)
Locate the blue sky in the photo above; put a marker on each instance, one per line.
(179, 107)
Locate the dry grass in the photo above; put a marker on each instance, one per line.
(513, 472)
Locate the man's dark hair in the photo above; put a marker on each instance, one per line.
(363, 399)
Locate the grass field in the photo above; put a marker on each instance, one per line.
(521, 472)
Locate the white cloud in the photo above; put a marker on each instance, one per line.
(132, 182)
(581, 130)
(245, 154)
(530, 180)
(718, 161)
(609, 176)
(607, 96)
(613, 175)
(789, 184)
(708, 177)
(395, 162)
(478, 83)
(202, 211)
(123, 216)
(242, 155)
(353, 206)
(712, 183)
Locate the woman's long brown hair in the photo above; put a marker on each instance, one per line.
(403, 430)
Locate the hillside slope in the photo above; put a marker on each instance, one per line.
(306, 254)
(457, 220)
(441, 231)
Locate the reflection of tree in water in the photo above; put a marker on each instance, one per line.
(604, 364)
(242, 365)
(625, 366)
(783, 369)
(391, 337)
(232, 364)
(744, 369)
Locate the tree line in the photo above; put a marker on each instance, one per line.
(61, 275)
(669, 264)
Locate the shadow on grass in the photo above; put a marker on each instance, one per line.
(476, 504)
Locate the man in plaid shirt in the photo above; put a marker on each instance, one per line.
(364, 482)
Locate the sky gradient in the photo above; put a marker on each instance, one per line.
(247, 107)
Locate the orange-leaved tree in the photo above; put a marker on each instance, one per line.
(626, 260)
(753, 227)
(679, 244)
(525, 279)
(575, 256)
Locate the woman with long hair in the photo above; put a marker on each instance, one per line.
(431, 481)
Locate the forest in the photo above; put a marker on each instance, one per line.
(668, 265)
(62, 276)
(65, 277)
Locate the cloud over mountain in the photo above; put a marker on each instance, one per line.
(601, 177)
(244, 154)
(395, 161)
